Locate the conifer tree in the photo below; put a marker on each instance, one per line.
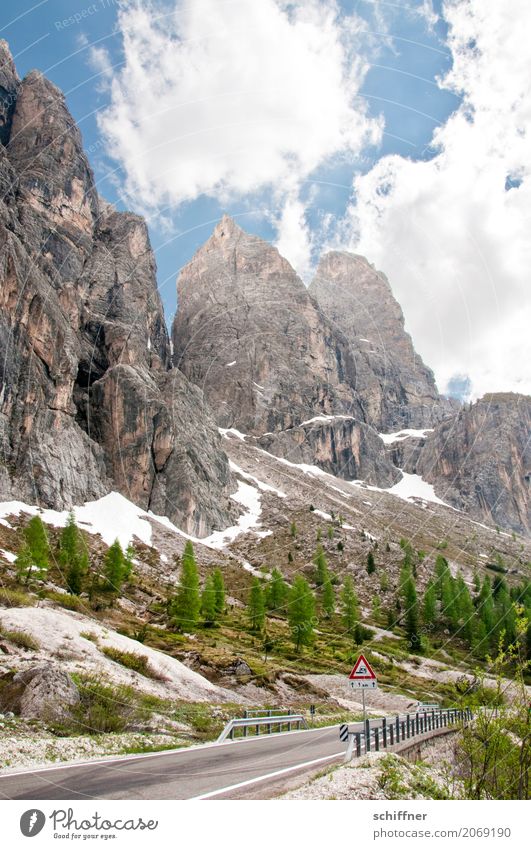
(277, 592)
(73, 555)
(384, 582)
(301, 612)
(114, 567)
(371, 565)
(256, 606)
(429, 604)
(412, 615)
(328, 599)
(33, 560)
(208, 602)
(129, 555)
(186, 603)
(349, 606)
(219, 588)
(321, 566)
(293, 530)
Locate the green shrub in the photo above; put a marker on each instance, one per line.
(70, 602)
(103, 709)
(137, 662)
(15, 598)
(21, 639)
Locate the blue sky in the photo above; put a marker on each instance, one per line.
(344, 197)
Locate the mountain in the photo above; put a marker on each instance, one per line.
(395, 387)
(89, 401)
(93, 400)
(268, 360)
(480, 461)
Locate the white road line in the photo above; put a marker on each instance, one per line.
(265, 777)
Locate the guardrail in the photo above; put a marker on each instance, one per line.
(258, 722)
(404, 727)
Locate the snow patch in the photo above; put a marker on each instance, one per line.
(407, 433)
(8, 555)
(231, 431)
(413, 486)
(228, 365)
(322, 514)
(265, 487)
(324, 419)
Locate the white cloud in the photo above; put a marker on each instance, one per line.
(455, 244)
(228, 98)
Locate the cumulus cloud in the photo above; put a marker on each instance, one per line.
(227, 98)
(452, 233)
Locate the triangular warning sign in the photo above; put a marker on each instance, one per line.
(362, 670)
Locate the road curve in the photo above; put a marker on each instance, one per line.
(200, 771)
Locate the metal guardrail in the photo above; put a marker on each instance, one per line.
(258, 722)
(404, 727)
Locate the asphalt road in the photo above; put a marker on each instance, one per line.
(202, 771)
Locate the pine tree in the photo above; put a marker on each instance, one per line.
(321, 566)
(301, 612)
(330, 532)
(376, 607)
(129, 555)
(73, 556)
(293, 530)
(277, 592)
(185, 606)
(208, 602)
(219, 588)
(412, 615)
(429, 605)
(467, 615)
(33, 560)
(384, 582)
(328, 599)
(371, 565)
(441, 570)
(349, 606)
(477, 581)
(114, 567)
(256, 606)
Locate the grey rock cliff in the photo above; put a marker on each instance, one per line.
(396, 388)
(480, 460)
(248, 333)
(267, 358)
(89, 401)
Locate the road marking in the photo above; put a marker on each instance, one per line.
(265, 777)
(180, 751)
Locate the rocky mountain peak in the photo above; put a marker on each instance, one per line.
(9, 84)
(89, 402)
(397, 388)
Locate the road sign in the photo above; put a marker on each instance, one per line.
(343, 733)
(362, 675)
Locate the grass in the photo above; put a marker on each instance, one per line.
(70, 602)
(21, 639)
(15, 598)
(137, 662)
(89, 635)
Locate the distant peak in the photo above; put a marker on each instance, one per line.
(227, 228)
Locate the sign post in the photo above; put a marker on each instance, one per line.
(363, 677)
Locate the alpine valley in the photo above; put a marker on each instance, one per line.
(168, 498)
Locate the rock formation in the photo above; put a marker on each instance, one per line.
(89, 401)
(248, 333)
(396, 388)
(268, 360)
(480, 460)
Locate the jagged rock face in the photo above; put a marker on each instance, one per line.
(480, 461)
(341, 446)
(88, 400)
(248, 333)
(396, 388)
